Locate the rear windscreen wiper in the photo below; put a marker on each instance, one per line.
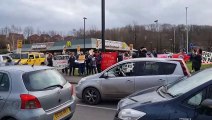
(54, 86)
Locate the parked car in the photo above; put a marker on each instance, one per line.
(188, 99)
(3, 59)
(34, 93)
(32, 58)
(129, 76)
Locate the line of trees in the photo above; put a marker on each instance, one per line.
(139, 35)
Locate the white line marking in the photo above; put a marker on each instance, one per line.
(96, 107)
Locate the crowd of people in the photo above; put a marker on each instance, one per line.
(88, 63)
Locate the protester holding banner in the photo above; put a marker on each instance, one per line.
(71, 63)
(81, 61)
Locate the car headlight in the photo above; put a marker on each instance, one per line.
(125, 102)
(130, 114)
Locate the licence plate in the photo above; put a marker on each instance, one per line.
(62, 114)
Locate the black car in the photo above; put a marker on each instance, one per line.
(188, 99)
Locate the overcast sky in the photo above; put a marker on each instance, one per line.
(65, 15)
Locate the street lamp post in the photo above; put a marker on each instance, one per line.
(103, 25)
(174, 41)
(156, 23)
(186, 30)
(84, 33)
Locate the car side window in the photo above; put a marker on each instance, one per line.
(4, 82)
(148, 68)
(196, 100)
(168, 68)
(31, 56)
(122, 70)
(36, 56)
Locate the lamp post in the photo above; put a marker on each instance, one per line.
(156, 28)
(103, 25)
(171, 41)
(84, 34)
(186, 30)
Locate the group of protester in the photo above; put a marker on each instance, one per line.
(88, 63)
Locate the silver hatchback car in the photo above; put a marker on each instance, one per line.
(34, 93)
(126, 77)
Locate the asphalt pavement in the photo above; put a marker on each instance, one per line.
(104, 111)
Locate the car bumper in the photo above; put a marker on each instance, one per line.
(78, 92)
(40, 114)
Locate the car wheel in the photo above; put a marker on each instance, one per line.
(91, 96)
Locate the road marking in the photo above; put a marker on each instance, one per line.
(106, 108)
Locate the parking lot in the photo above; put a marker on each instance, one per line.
(104, 111)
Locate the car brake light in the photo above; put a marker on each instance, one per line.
(29, 102)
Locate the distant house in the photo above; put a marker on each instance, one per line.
(45, 38)
(34, 38)
(56, 38)
(68, 38)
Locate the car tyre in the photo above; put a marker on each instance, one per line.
(91, 96)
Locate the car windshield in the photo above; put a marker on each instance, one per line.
(190, 83)
(40, 80)
(18, 56)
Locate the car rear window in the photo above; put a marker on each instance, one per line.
(39, 80)
(169, 68)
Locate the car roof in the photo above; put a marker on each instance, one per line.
(149, 59)
(23, 68)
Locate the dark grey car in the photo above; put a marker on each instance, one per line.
(34, 93)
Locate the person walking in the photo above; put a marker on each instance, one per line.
(49, 60)
(98, 61)
(71, 62)
(197, 60)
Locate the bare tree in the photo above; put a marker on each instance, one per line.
(28, 31)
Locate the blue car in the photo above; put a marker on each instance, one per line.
(188, 99)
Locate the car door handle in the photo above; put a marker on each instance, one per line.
(161, 80)
(129, 81)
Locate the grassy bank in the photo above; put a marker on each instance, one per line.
(204, 66)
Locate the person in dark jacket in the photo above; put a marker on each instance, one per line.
(120, 57)
(142, 52)
(197, 60)
(49, 60)
(154, 52)
(98, 61)
(71, 62)
(193, 54)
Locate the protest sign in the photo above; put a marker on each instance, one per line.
(108, 59)
(207, 57)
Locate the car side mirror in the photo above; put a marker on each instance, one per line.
(207, 103)
(105, 75)
(206, 107)
(108, 75)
